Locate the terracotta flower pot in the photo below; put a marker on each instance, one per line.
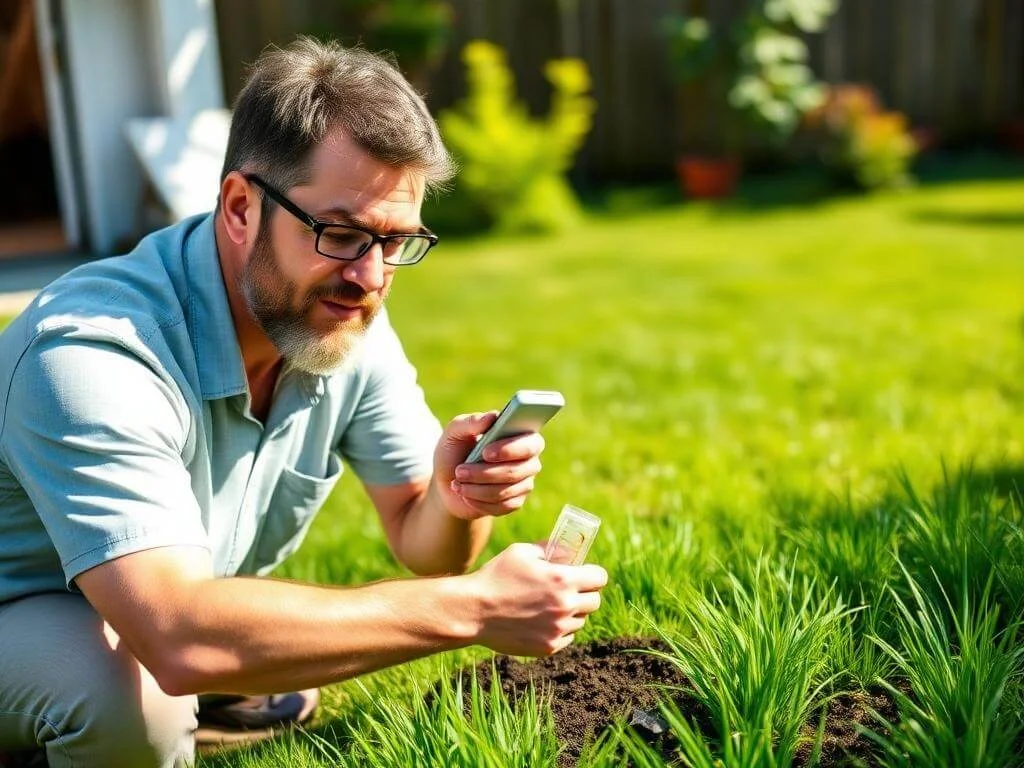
(926, 138)
(708, 177)
(1013, 135)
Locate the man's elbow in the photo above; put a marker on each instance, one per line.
(187, 670)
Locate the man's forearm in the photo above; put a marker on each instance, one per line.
(433, 541)
(259, 635)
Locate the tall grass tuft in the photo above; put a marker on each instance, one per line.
(856, 660)
(460, 724)
(758, 660)
(638, 582)
(956, 713)
(965, 535)
(853, 549)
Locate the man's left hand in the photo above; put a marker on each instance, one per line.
(495, 486)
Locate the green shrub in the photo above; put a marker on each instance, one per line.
(416, 31)
(860, 142)
(513, 166)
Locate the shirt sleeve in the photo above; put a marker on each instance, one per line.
(95, 436)
(392, 435)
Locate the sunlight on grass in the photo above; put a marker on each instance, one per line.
(724, 374)
(736, 383)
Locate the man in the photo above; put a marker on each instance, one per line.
(171, 420)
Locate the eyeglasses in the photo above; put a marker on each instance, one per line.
(347, 242)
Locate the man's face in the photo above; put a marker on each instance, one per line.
(316, 310)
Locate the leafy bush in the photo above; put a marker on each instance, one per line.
(757, 65)
(859, 141)
(513, 166)
(416, 31)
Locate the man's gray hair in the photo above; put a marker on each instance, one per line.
(295, 95)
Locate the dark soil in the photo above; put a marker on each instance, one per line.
(843, 743)
(592, 685)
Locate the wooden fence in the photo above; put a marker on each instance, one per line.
(954, 66)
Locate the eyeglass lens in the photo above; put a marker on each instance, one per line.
(348, 244)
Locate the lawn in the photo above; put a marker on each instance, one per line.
(802, 425)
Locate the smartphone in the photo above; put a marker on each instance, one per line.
(526, 411)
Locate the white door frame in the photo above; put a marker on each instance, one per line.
(52, 61)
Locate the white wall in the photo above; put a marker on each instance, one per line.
(111, 71)
(188, 73)
(129, 59)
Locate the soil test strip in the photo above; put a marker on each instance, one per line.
(572, 536)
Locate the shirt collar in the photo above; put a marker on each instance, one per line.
(208, 315)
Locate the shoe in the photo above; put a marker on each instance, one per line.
(226, 721)
(35, 758)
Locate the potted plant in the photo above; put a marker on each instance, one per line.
(753, 73)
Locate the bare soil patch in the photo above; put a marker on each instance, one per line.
(591, 685)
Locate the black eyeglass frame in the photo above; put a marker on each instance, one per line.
(319, 227)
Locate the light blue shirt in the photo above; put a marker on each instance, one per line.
(125, 423)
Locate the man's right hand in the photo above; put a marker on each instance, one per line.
(531, 607)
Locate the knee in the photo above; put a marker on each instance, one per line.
(140, 728)
(87, 700)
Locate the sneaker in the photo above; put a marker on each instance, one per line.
(226, 721)
(35, 758)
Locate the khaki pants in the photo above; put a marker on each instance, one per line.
(70, 687)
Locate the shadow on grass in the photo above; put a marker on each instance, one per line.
(809, 184)
(969, 218)
(972, 164)
(764, 190)
(1004, 479)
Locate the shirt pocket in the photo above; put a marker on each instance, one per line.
(293, 505)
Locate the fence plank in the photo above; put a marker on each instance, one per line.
(1013, 97)
(993, 18)
(833, 53)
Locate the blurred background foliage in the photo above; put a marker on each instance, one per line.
(755, 66)
(860, 142)
(547, 100)
(513, 166)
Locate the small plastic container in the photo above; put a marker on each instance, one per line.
(572, 536)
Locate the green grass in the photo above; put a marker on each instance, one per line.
(958, 676)
(835, 385)
(758, 662)
(838, 383)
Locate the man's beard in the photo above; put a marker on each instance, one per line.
(271, 299)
